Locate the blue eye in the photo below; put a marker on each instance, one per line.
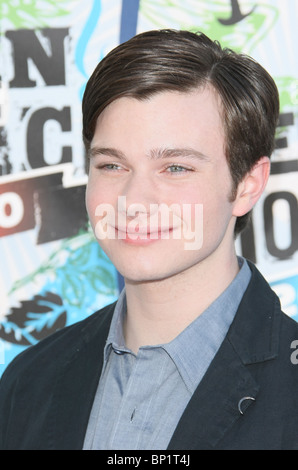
(177, 169)
(109, 167)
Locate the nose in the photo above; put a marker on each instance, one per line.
(139, 193)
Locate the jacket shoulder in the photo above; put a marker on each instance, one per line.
(30, 381)
(289, 336)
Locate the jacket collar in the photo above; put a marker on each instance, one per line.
(255, 330)
(228, 389)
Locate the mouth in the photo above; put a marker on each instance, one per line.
(143, 234)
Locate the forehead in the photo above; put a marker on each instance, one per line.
(168, 119)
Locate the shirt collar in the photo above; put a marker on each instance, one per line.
(195, 347)
(115, 339)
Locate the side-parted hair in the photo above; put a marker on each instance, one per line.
(169, 60)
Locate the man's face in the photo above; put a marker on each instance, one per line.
(159, 184)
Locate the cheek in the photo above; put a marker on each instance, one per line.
(217, 219)
(94, 197)
(101, 205)
(90, 201)
(213, 202)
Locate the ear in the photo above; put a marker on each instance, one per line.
(251, 187)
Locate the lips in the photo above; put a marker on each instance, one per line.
(144, 233)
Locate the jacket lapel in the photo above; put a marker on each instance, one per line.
(228, 388)
(214, 407)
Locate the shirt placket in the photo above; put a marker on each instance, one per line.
(136, 415)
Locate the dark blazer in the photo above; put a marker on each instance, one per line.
(47, 392)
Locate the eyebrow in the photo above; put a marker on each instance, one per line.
(110, 152)
(187, 152)
(155, 154)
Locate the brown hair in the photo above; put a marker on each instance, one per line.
(169, 60)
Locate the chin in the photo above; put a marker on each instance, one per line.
(142, 276)
(142, 272)
(146, 274)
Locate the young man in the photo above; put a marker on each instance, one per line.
(196, 352)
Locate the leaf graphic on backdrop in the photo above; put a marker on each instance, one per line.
(78, 272)
(33, 320)
(33, 14)
(212, 18)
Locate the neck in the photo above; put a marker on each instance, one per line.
(157, 311)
